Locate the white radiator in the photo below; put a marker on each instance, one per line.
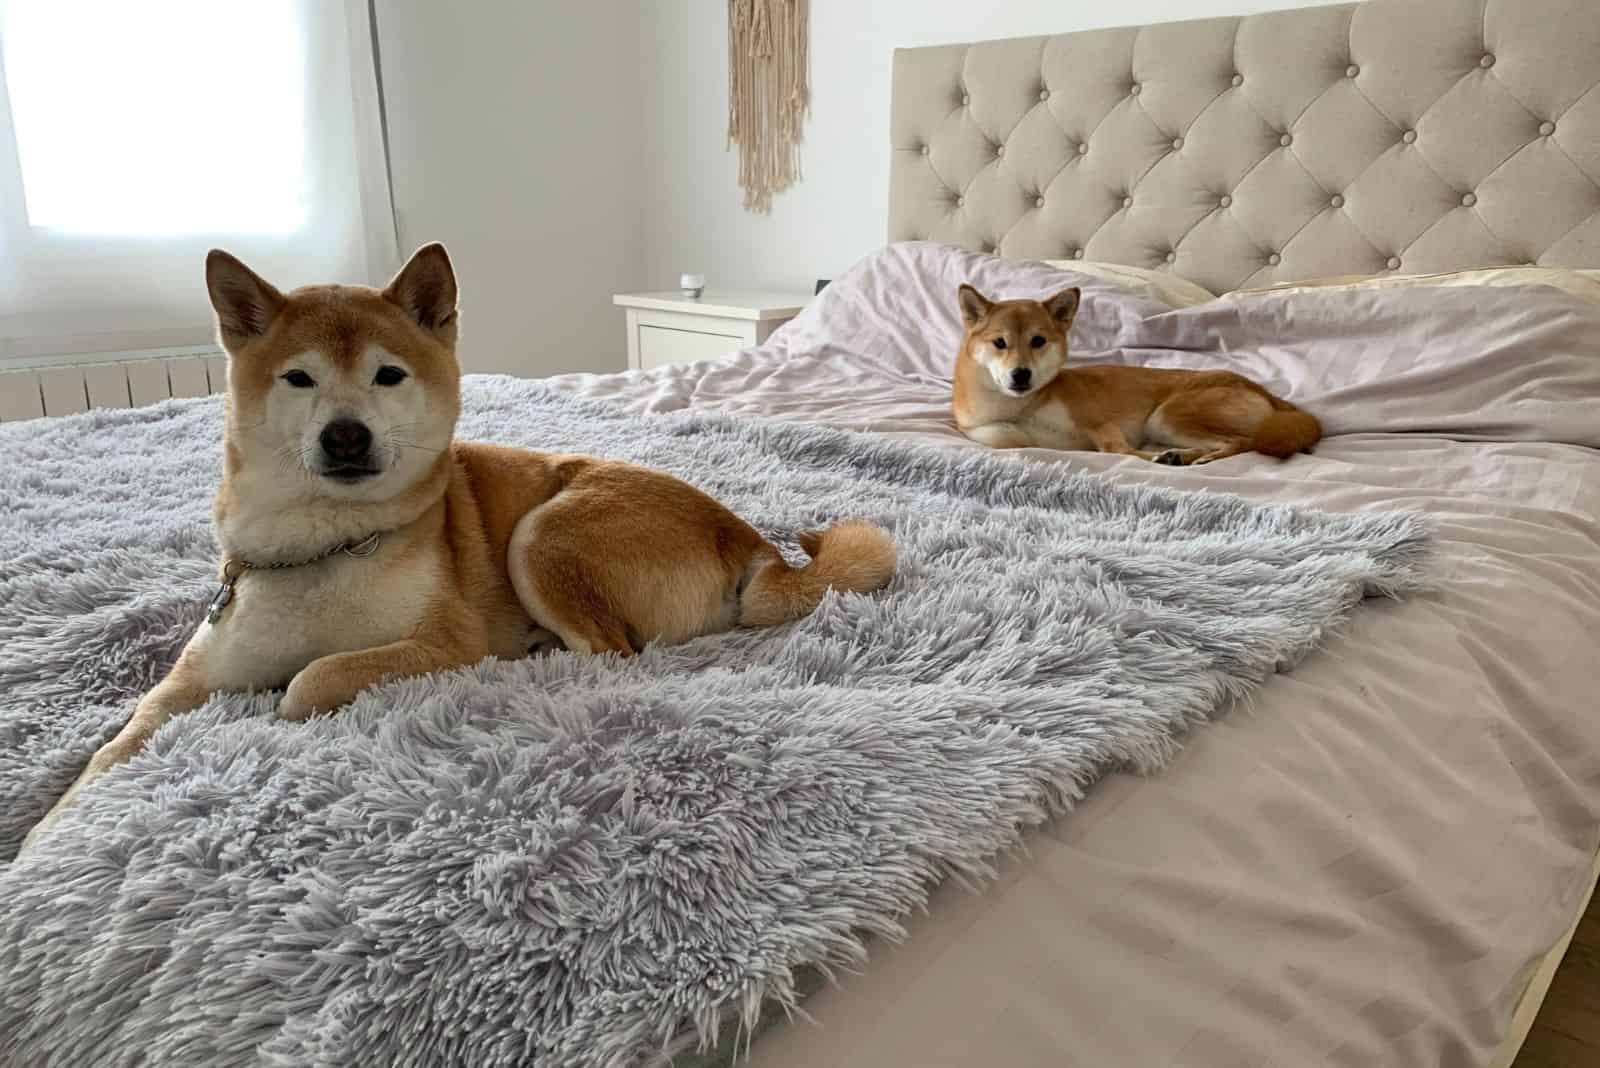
(130, 382)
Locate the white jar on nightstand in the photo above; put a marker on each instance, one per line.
(669, 327)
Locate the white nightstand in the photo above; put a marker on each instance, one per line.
(672, 328)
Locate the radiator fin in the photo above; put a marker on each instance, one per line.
(32, 392)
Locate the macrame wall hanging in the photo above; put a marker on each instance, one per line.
(767, 97)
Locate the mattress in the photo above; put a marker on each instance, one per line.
(1365, 866)
(1539, 982)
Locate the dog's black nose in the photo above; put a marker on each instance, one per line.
(1020, 377)
(346, 440)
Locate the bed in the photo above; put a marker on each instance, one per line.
(1382, 861)
(1376, 858)
(1378, 861)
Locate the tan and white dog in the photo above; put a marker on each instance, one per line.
(361, 542)
(1013, 390)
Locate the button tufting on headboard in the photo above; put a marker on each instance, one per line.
(1411, 109)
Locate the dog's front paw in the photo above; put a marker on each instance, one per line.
(40, 829)
(298, 704)
(47, 822)
(105, 758)
(309, 694)
(294, 709)
(1171, 457)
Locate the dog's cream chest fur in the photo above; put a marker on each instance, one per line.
(1050, 425)
(279, 621)
(1044, 421)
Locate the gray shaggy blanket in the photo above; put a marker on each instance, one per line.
(574, 860)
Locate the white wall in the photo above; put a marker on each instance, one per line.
(839, 211)
(565, 150)
(513, 138)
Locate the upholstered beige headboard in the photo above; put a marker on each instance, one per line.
(1391, 135)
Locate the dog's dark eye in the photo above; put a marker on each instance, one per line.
(1037, 342)
(389, 376)
(1000, 343)
(298, 379)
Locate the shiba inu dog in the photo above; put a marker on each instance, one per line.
(359, 541)
(1013, 390)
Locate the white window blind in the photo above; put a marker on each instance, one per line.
(135, 136)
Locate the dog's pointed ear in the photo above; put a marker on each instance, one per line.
(974, 305)
(245, 302)
(1064, 305)
(425, 289)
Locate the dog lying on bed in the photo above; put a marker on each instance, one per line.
(1013, 390)
(359, 542)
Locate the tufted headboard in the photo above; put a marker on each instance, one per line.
(1391, 135)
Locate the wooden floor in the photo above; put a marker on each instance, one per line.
(1566, 1033)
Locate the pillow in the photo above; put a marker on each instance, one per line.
(1584, 285)
(1170, 289)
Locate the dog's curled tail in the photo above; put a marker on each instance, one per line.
(853, 555)
(1286, 431)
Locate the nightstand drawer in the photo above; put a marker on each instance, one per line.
(668, 327)
(659, 345)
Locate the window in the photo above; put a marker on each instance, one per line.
(135, 136)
